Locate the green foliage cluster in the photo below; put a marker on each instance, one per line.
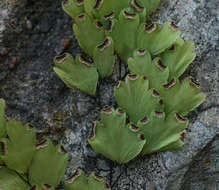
(152, 98)
(102, 28)
(26, 165)
(79, 182)
(152, 101)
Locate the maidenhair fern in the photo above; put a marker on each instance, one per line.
(102, 27)
(26, 165)
(135, 97)
(17, 152)
(152, 101)
(79, 74)
(152, 95)
(122, 142)
(79, 182)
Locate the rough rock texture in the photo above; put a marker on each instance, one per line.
(32, 37)
(3, 16)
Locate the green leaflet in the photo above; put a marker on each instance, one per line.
(2, 119)
(181, 97)
(2, 123)
(48, 165)
(135, 97)
(100, 8)
(155, 70)
(104, 58)
(124, 33)
(73, 7)
(178, 42)
(162, 133)
(20, 147)
(89, 7)
(175, 145)
(88, 33)
(42, 187)
(150, 5)
(140, 10)
(78, 74)
(155, 39)
(43, 167)
(178, 58)
(9, 180)
(114, 6)
(114, 139)
(79, 182)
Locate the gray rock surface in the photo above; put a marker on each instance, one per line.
(3, 16)
(36, 95)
